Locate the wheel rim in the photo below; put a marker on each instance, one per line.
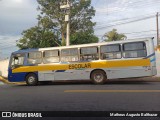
(31, 79)
(98, 77)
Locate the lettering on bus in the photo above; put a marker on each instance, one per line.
(78, 66)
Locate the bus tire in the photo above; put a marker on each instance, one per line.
(98, 77)
(31, 79)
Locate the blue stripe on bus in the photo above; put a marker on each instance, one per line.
(154, 59)
(60, 70)
(18, 77)
(150, 55)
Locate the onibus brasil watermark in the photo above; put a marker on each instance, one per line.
(21, 115)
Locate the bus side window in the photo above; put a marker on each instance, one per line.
(134, 50)
(69, 55)
(34, 57)
(89, 53)
(111, 51)
(51, 56)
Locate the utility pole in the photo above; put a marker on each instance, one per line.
(158, 42)
(68, 26)
(67, 19)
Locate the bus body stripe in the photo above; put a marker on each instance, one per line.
(95, 64)
(60, 71)
(149, 56)
(153, 60)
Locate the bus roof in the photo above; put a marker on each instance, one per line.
(82, 45)
(25, 50)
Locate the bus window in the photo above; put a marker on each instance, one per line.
(111, 51)
(17, 60)
(51, 56)
(134, 50)
(89, 53)
(69, 55)
(34, 57)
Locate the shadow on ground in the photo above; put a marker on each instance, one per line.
(88, 82)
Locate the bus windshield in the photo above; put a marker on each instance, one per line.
(17, 60)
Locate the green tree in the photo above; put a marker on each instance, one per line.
(36, 37)
(83, 38)
(51, 28)
(113, 36)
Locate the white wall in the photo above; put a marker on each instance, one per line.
(158, 63)
(4, 68)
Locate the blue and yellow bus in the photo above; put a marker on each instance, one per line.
(97, 62)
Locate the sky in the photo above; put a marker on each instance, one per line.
(135, 18)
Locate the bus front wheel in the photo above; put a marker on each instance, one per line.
(98, 77)
(31, 79)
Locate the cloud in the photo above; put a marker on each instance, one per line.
(110, 12)
(8, 45)
(17, 16)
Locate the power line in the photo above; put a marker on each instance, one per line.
(148, 35)
(6, 47)
(133, 33)
(7, 43)
(119, 9)
(140, 32)
(126, 19)
(126, 22)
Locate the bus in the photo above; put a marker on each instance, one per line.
(97, 62)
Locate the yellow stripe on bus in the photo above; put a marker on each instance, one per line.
(80, 65)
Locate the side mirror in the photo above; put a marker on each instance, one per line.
(14, 66)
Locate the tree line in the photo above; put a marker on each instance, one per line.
(50, 30)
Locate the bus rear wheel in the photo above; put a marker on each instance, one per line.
(98, 77)
(31, 79)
